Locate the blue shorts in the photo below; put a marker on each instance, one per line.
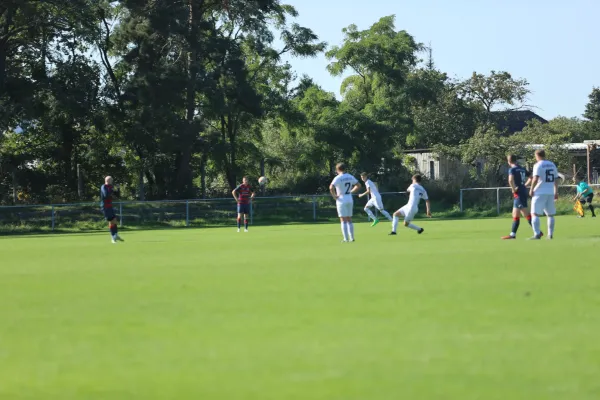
(243, 208)
(521, 200)
(109, 214)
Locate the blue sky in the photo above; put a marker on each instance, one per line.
(553, 44)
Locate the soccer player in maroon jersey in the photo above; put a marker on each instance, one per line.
(106, 197)
(243, 194)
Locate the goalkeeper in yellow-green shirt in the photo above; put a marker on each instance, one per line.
(585, 194)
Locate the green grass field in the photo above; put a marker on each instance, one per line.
(288, 312)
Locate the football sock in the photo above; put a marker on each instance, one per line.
(515, 226)
(536, 224)
(413, 226)
(591, 207)
(528, 219)
(344, 232)
(370, 213)
(350, 231)
(395, 224)
(550, 226)
(239, 222)
(245, 224)
(386, 214)
(113, 230)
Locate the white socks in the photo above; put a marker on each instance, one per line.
(386, 214)
(413, 226)
(395, 223)
(344, 231)
(350, 230)
(535, 222)
(550, 226)
(370, 213)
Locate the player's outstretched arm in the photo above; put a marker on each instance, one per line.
(356, 188)
(367, 192)
(428, 207)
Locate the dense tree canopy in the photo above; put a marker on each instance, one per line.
(181, 98)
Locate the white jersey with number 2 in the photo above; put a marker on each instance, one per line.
(548, 173)
(343, 185)
(417, 192)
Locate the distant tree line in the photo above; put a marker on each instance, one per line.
(179, 99)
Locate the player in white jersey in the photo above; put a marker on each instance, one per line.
(543, 192)
(416, 193)
(341, 189)
(374, 201)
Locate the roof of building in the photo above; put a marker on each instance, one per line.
(514, 121)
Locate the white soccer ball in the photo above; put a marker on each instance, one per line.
(262, 180)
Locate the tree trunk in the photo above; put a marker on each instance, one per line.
(184, 175)
(203, 176)
(141, 188)
(79, 182)
(14, 185)
(4, 48)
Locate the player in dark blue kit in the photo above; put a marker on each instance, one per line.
(107, 191)
(518, 179)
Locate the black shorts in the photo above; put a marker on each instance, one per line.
(109, 214)
(588, 199)
(243, 209)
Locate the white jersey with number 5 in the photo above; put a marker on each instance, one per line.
(548, 173)
(417, 192)
(343, 185)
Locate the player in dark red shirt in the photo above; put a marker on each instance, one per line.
(107, 191)
(243, 194)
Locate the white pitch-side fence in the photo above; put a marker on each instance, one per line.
(191, 212)
(502, 198)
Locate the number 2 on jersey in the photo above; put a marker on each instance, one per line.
(348, 187)
(550, 176)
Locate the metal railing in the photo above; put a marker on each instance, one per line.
(502, 198)
(190, 212)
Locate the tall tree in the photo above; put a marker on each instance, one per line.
(592, 108)
(498, 89)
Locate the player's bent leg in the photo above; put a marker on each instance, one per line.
(396, 220)
(369, 212)
(589, 201)
(408, 223)
(385, 213)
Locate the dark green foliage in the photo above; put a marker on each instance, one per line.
(179, 99)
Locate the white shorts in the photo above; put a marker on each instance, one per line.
(543, 204)
(375, 202)
(344, 209)
(409, 213)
